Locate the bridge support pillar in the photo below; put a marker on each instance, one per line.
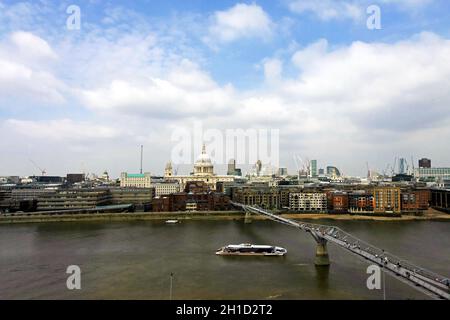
(248, 217)
(322, 258)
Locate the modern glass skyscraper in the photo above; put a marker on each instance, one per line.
(402, 166)
(313, 168)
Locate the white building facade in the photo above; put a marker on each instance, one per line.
(308, 202)
(432, 173)
(166, 188)
(136, 180)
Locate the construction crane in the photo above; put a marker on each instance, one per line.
(301, 164)
(369, 174)
(412, 166)
(393, 167)
(43, 171)
(385, 171)
(297, 160)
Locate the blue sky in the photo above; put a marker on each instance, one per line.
(136, 71)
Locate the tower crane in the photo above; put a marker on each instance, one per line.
(386, 170)
(369, 174)
(393, 167)
(43, 171)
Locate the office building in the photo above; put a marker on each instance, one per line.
(402, 166)
(26, 194)
(48, 179)
(402, 178)
(136, 180)
(282, 172)
(432, 174)
(141, 198)
(165, 188)
(9, 180)
(73, 199)
(424, 163)
(232, 170)
(313, 168)
(333, 172)
(75, 178)
(231, 167)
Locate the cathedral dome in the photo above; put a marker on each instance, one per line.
(203, 165)
(203, 159)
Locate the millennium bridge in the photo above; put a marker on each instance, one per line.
(428, 282)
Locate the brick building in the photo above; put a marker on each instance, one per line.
(360, 202)
(415, 201)
(196, 197)
(387, 200)
(338, 202)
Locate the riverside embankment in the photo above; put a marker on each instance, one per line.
(207, 215)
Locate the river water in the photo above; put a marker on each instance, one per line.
(134, 260)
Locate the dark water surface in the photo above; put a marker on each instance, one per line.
(133, 260)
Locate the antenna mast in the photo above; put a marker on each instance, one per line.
(142, 155)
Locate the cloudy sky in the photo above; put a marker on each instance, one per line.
(85, 100)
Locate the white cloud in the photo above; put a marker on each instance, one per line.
(398, 87)
(25, 73)
(20, 83)
(32, 46)
(329, 9)
(65, 130)
(355, 10)
(240, 21)
(273, 69)
(408, 4)
(186, 91)
(359, 95)
(313, 53)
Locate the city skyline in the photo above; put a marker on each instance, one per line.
(338, 92)
(305, 165)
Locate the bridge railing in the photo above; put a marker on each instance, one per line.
(337, 235)
(384, 256)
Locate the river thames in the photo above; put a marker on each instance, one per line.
(134, 260)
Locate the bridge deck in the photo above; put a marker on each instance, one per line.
(427, 281)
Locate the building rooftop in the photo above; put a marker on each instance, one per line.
(135, 175)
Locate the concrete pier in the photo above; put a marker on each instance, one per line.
(322, 258)
(248, 217)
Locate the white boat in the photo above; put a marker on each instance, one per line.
(172, 221)
(247, 249)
